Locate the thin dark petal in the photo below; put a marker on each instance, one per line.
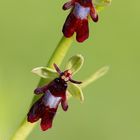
(75, 82)
(57, 69)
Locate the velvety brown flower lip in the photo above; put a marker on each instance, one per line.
(77, 20)
(54, 93)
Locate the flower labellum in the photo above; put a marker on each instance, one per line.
(54, 93)
(77, 20)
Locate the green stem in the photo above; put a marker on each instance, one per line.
(24, 130)
(57, 57)
(60, 52)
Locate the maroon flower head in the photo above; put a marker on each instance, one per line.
(53, 94)
(77, 20)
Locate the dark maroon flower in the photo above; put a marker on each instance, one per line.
(53, 94)
(77, 20)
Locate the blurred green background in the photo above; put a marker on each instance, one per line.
(30, 31)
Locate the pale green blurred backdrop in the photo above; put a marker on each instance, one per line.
(29, 32)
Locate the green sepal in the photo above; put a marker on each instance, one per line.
(75, 91)
(75, 63)
(101, 4)
(45, 72)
